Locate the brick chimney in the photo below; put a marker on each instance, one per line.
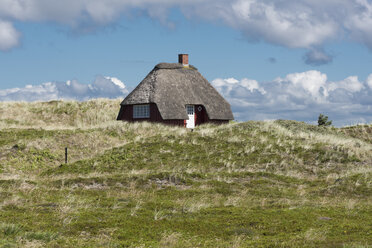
(183, 59)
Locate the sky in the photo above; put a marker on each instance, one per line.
(271, 59)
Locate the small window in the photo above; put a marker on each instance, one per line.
(141, 111)
(190, 109)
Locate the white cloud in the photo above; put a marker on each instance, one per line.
(317, 57)
(252, 85)
(9, 37)
(290, 23)
(117, 82)
(369, 81)
(283, 22)
(350, 84)
(300, 96)
(106, 87)
(360, 23)
(306, 83)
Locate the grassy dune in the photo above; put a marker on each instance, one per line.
(251, 184)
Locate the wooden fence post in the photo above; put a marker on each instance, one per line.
(65, 155)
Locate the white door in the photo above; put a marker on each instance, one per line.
(190, 123)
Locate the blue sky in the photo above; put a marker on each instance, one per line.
(305, 56)
(129, 48)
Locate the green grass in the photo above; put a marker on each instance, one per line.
(252, 184)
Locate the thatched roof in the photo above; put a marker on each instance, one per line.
(171, 86)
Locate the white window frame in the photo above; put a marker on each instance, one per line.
(190, 122)
(141, 111)
(190, 109)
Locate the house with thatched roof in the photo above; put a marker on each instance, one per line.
(177, 94)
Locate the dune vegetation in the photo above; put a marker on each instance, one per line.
(251, 184)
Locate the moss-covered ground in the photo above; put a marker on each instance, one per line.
(252, 184)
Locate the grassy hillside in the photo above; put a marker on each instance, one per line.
(252, 184)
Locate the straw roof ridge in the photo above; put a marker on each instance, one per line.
(171, 86)
(174, 66)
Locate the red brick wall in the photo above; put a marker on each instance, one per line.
(201, 117)
(126, 114)
(183, 59)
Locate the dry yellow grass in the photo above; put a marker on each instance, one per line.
(58, 114)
